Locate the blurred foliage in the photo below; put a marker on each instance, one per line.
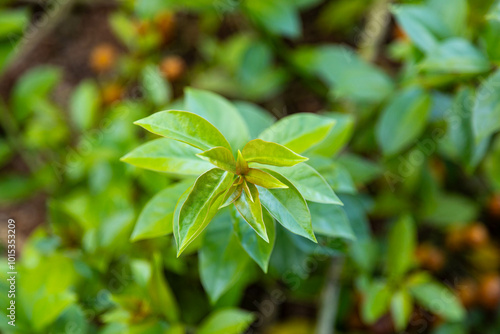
(414, 156)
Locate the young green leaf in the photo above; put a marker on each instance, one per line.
(310, 183)
(231, 195)
(298, 132)
(251, 210)
(167, 155)
(288, 207)
(403, 120)
(263, 179)
(268, 153)
(258, 249)
(247, 191)
(220, 157)
(185, 127)
(156, 219)
(338, 136)
(202, 204)
(226, 321)
(222, 260)
(241, 164)
(401, 247)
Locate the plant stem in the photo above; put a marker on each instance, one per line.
(329, 298)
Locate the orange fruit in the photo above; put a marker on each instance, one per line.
(494, 205)
(103, 57)
(467, 291)
(430, 257)
(111, 93)
(165, 23)
(489, 291)
(476, 235)
(172, 67)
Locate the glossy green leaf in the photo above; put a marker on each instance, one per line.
(401, 309)
(310, 183)
(338, 136)
(330, 220)
(222, 260)
(226, 321)
(221, 113)
(486, 111)
(288, 207)
(403, 120)
(156, 218)
(401, 247)
(220, 157)
(258, 249)
(438, 299)
(263, 179)
(251, 210)
(232, 195)
(185, 127)
(246, 190)
(167, 155)
(269, 153)
(84, 104)
(455, 55)
(376, 302)
(298, 132)
(201, 205)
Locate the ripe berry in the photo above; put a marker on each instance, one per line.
(103, 57)
(489, 291)
(172, 67)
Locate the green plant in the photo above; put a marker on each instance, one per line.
(267, 176)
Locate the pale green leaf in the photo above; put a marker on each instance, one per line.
(298, 132)
(185, 127)
(288, 207)
(202, 204)
(251, 210)
(263, 179)
(257, 118)
(220, 157)
(278, 17)
(269, 153)
(167, 155)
